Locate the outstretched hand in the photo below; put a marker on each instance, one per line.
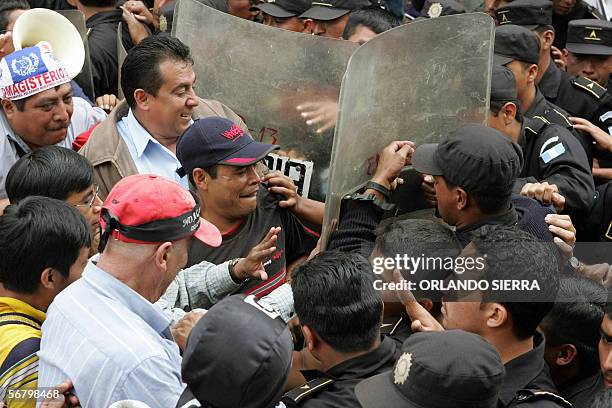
(253, 265)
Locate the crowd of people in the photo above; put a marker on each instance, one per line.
(149, 257)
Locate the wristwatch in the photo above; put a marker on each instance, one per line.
(378, 187)
(230, 266)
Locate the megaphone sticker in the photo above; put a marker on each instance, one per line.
(25, 66)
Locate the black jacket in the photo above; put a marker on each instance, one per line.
(335, 388)
(553, 154)
(527, 379)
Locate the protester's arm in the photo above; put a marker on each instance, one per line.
(305, 208)
(359, 218)
(199, 286)
(281, 301)
(602, 139)
(601, 172)
(204, 284)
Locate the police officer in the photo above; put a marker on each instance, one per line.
(340, 312)
(564, 11)
(589, 53)
(550, 151)
(424, 377)
(576, 94)
(518, 49)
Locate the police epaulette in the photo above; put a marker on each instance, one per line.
(390, 325)
(309, 389)
(536, 124)
(589, 86)
(554, 116)
(524, 396)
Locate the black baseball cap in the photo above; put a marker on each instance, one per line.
(437, 8)
(451, 368)
(527, 13)
(332, 9)
(474, 157)
(513, 42)
(503, 85)
(237, 356)
(284, 8)
(589, 37)
(215, 140)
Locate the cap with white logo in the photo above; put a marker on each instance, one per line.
(29, 71)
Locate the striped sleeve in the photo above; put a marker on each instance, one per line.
(20, 371)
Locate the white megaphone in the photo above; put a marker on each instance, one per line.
(40, 24)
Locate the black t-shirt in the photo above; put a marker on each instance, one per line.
(294, 241)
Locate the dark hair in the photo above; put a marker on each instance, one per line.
(7, 7)
(334, 295)
(420, 238)
(576, 319)
(98, 3)
(374, 18)
(603, 399)
(496, 106)
(512, 254)
(140, 69)
(49, 171)
(39, 233)
(488, 203)
(212, 172)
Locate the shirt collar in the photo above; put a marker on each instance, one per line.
(18, 306)
(550, 82)
(523, 370)
(112, 287)
(538, 105)
(363, 366)
(140, 136)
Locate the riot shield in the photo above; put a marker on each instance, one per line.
(121, 54)
(416, 82)
(263, 74)
(85, 78)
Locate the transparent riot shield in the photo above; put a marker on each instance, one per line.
(264, 74)
(85, 78)
(416, 82)
(121, 54)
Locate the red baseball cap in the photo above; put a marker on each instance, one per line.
(150, 209)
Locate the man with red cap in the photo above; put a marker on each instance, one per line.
(104, 333)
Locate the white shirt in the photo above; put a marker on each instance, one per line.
(84, 116)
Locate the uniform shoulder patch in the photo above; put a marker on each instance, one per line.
(558, 117)
(536, 124)
(589, 86)
(309, 389)
(525, 396)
